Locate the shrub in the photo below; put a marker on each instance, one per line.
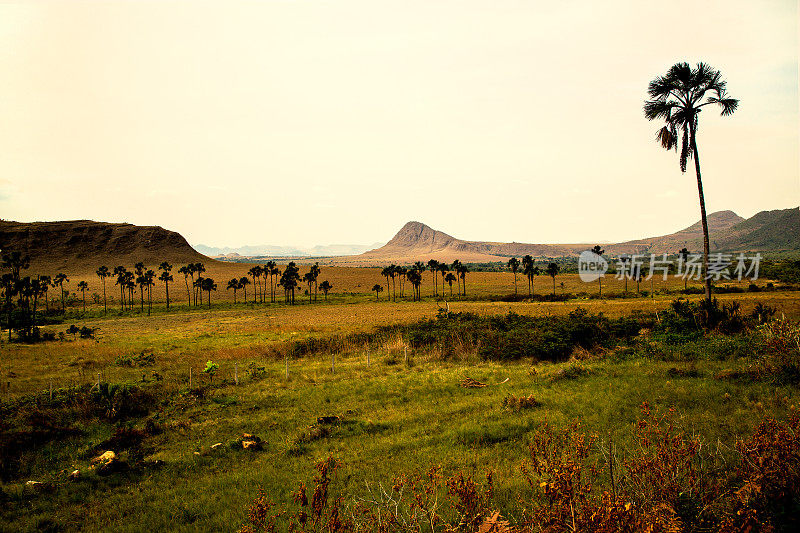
(518, 403)
(141, 359)
(667, 482)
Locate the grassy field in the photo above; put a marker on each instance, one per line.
(394, 415)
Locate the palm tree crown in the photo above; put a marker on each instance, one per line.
(677, 98)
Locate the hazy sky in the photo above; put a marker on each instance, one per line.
(336, 122)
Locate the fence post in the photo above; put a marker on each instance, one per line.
(333, 362)
(405, 353)
(236, 373)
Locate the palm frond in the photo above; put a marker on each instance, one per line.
(704, 76)
(729, 105)
(680, 115)
(667, 138)
(680, 75)
(654, 109)
(659, 88)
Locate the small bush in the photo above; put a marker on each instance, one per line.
(138, 360)
(518, 403)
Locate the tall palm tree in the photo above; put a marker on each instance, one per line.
(443, 269)
(199, 269)
(315, 272)
(450, 278)
(456, 266)
(414, 276)
(529, 269)
(208, 285)
(552, 271)
(185, 270)
(433, 265)
(165, 276)
(243, 283)
(401, 276)
(462, 273)
(190, 270)
(388, 272)
(58, 281)
(82, 285)
(234, 285)
(103, 273)
(119, 272)
(271, 268)
(308, 277)
(16, 262)
(677, 98)
(513, 265)
(596, 250)
(275, 271)
(140, 281)
(45, 282)
(325, 287)
(130, 286)
(378, 288)
(290, 279)
(149, 282)
(255, 273)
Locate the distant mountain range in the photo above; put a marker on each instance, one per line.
(87, 244)
(266, 250)
(777, 230)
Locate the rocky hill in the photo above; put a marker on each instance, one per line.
(766, 231)
(76, 244)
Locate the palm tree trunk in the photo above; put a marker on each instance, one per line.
(105, 304)
(166, 285)
(703, 219)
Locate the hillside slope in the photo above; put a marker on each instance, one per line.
(766, 231)
(77, 244)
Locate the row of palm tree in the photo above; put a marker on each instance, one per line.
(530, 270)
(397, 276)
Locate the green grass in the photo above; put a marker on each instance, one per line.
(394, 418)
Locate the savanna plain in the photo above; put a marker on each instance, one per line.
(637, 410)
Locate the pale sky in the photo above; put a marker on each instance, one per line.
(316, 122)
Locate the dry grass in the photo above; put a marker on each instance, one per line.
(349, 281)
(182, 339)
